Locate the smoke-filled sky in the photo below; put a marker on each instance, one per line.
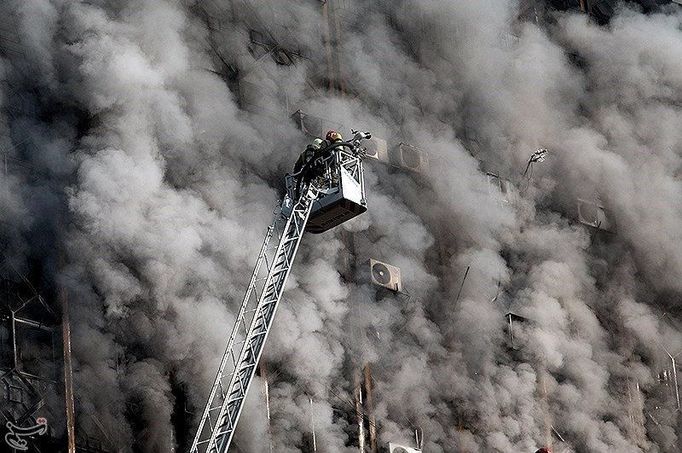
(133, 165)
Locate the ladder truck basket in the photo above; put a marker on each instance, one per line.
(341, 187)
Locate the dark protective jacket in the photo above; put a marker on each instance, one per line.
(309, 164)
(304, 158)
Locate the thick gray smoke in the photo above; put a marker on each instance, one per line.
(158, 188)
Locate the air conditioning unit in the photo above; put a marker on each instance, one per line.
(377, 148)
(395, 448)
(383, 274)
(409, 157)
(594, 215)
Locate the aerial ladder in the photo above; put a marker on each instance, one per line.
(321, 196)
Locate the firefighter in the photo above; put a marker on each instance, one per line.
(305, 163)
(317, 165)
(308, 155)
(311, 162)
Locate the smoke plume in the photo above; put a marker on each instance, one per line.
(139, 180)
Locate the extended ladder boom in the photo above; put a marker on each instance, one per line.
(338, 192)
(251, 328)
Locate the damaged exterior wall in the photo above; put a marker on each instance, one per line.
(511, 307)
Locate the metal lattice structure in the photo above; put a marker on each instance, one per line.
(257, 311)
(251, 328)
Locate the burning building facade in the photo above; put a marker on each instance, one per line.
(487, 307)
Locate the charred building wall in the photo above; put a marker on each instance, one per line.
(415, 318)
